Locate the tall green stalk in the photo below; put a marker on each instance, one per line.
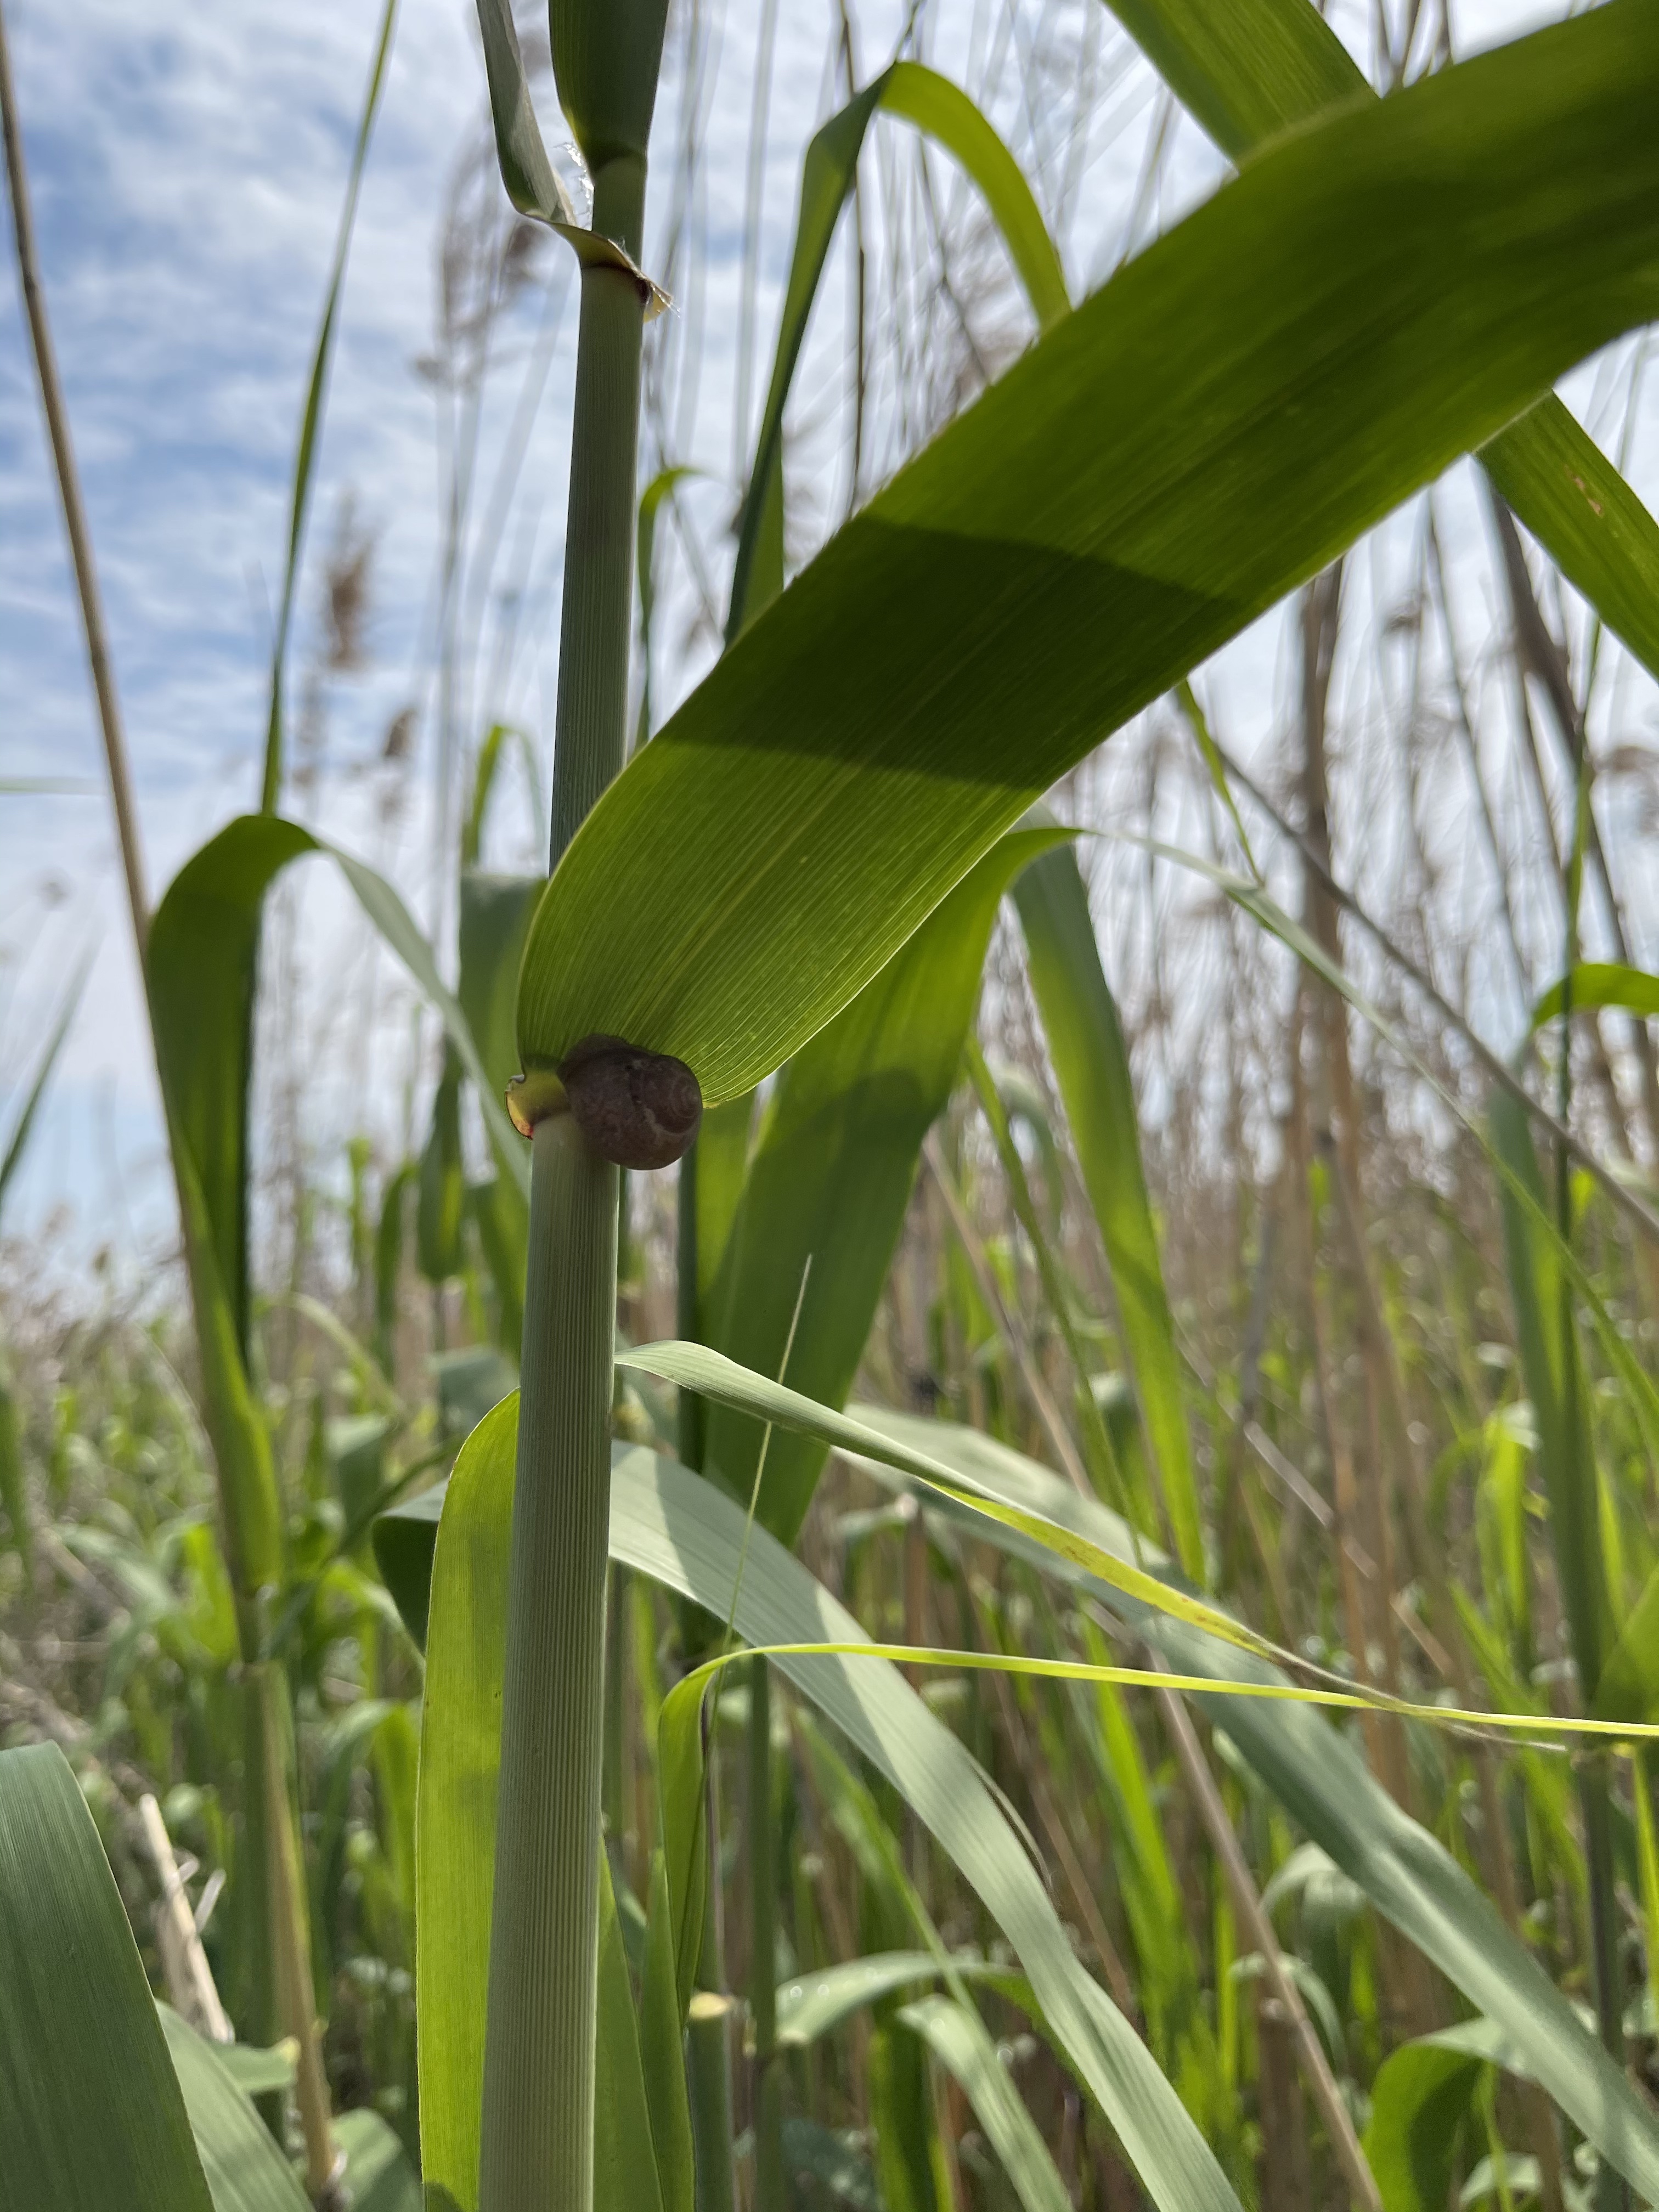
(536, 2151)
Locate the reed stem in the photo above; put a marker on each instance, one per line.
(537, 2147)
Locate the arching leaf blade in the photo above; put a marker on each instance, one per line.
(1322, 1781)
(1247, 69)
(1371, 297)
(78, 2011)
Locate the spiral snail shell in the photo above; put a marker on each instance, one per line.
(639, 1108)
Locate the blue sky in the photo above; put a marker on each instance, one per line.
(187, 166)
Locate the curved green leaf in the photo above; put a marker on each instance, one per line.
(955, 2035)
(830, 1179)
(1369, 299)
(1324, 1785)
(1600, 983)
(1091, 1066)
(201, 974)
(946, 112)
(1420, 2101)
(245, 2171)
(77, 2013)
(816, 2004)
(1250, 68)
(689, 1535)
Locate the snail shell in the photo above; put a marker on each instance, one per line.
(639, 1108)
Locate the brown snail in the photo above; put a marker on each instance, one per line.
(638, 1108)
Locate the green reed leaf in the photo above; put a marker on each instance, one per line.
(1371, 297)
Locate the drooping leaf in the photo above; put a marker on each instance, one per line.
(1250, 68)
(1091, 1066)
(1369, 298)
(77, 2016)
(957, 2036)
(689, 1535)
(943, 111)
(200, 971)
(830, 1179)
(1600, 984)
(203, 947)
(816, 2004)
(696, 1367)
(245, 2171)
(1420, 2102)
(1323, 1785)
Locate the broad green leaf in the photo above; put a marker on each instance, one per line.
(1324, 1785)
(203, 947)
(624, 2159)
(830, 1181)
(1420, 2101)
(312, 415)
(957, 2036)
(1600, 984)
(200, 969)
(77, 2016)
(1091, 1066)
(945, 112)
(689, 1535)
(1250, 68)
(816, 2004)
(1559, 1387)
(245, 2171)
(1373, 296)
